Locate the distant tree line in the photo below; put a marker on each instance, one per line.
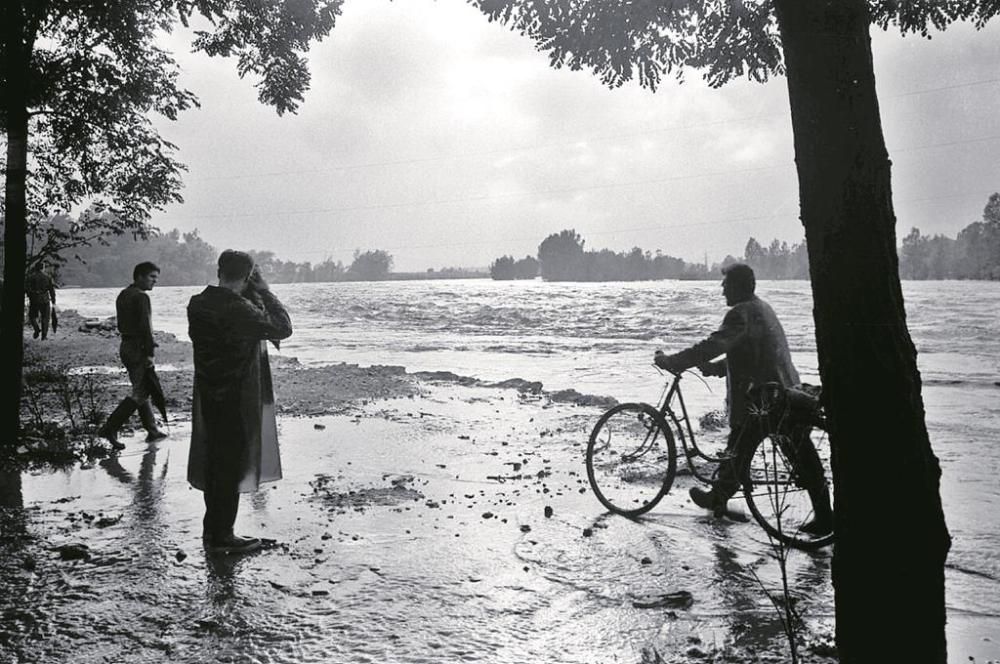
(185, 259)
(562, 257)
(777, 260)
(507, 268)
(973, 254)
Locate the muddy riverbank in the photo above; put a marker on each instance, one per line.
(420, 519)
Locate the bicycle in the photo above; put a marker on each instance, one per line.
(632, 458)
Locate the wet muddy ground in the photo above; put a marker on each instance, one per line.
(452, 526)
(421, 519)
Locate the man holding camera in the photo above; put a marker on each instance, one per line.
(234, 438)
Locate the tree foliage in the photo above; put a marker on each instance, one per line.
(973, 254)
(778, 260)
(506, 268)
(371, 265)
(561, 257)
(79, 84)
(648, 40)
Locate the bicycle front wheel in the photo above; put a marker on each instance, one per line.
(631, 459)
(786, 482)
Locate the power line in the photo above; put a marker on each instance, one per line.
(562, 190)
(484, 197)
(632, 229)
(546, 146)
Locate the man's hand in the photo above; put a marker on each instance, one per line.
(256, 281)
(663, 361)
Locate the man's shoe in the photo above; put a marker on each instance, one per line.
(704, 499)
(111, 437)
(35, 335)
(118, 417)
(233, 544)
(817, 527)
(155, 435)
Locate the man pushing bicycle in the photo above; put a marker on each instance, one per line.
(753, 341)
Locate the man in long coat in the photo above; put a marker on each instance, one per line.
(757, 353)
(234, 438)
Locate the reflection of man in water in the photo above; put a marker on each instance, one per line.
(234, 437)
(756, 353)
(41, 291)
(135, 325)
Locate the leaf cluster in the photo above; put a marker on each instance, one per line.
(721, 40)
(97, 76)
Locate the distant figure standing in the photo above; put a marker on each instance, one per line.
(135, 325)
(234, 436)
(41, 292)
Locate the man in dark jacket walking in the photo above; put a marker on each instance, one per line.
(41, 291)
(135, 325)
(234, 438)
(757, 353)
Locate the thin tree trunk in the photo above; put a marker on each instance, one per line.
(891, 542)
(15, 92)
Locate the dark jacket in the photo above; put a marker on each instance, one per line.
(135, 318)
(40, 287)
(232, 372)
(225, 329)
(756, 352)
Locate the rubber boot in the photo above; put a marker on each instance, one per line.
(822, 522)
(153, 433)
(120, 415)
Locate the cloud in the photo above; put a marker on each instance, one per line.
(450, 141)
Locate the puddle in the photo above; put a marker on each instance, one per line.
(437, 529)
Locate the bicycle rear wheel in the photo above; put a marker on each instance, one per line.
(631, 459)
(781, 482)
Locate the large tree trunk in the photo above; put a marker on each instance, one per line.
(891, 543)
(15, 95)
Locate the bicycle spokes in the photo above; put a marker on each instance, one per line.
(630, 458)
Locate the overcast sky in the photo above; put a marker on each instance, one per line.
(449, 141)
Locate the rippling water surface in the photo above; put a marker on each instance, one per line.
(598, 339)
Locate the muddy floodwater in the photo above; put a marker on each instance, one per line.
(456, 524)
(413, 530)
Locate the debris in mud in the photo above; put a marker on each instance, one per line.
(358, 499)
(680, 599)
(548, 511)
(525, 528)
(588, 532)
(319, 427)
(180, 556)
(574, 397)
(73, 551)
(106, 521)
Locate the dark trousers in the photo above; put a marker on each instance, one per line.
(39, 313)
(796, 445)
(225, 442)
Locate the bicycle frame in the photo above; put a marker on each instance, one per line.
(683, 428)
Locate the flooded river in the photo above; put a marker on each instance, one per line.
(415, 530)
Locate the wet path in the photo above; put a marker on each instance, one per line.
(412, 531)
